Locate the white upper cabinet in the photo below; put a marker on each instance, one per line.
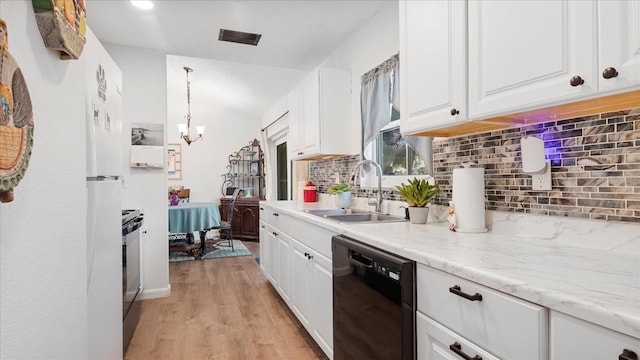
(320, 115)
(619, 45)
(527, 54)
(433, 64)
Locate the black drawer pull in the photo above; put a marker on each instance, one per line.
(261, 208)
(457, 348)
(456, 290)
(275, 233)
(276, 214)
(628, 355)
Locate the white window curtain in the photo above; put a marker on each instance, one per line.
(380, 89)
(377, 89)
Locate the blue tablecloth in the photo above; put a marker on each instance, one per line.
(191, 217)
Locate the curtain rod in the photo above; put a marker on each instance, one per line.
(274, 121)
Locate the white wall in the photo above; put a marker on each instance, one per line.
(214, 105)
(373, 43)
(144, 96)
(43, 262)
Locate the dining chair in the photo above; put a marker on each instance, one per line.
(227, 225)
(183, 195)
(182, 242)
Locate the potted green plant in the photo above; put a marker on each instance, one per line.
(343, 195)
(418, 194)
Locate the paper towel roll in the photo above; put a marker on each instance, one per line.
(468, 200)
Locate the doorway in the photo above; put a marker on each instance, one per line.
(282, 173)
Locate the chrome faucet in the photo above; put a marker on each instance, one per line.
(378, 200)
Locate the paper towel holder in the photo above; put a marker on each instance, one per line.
(534, 163)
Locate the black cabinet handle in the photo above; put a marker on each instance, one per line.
(457, 348)
(456, 290)
(300, 153)
(310, 256)
(576, 80)
(454, 112)
(262, 226)
(261, 208)
(276, 214)
(306, 255)
(610, 73)
(275, 233)
(628, 355)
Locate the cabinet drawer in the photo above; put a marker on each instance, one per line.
(572, 338)
(276, 219)
(509, 328)
(315, 237)
(435, 342)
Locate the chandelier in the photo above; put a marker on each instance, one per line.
(185, 129)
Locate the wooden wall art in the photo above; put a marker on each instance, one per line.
(16, 121)
(62, 25)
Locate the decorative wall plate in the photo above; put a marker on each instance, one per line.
(62, 25)
(16, 120)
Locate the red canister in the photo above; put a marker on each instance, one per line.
(309, 192)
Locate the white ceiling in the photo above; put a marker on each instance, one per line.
(297, 34)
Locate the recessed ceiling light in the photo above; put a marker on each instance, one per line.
(239, 37)
(142, 4)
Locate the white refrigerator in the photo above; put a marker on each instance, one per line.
(104, 201)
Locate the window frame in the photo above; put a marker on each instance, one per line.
(370, 181)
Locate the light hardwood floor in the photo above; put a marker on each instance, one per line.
(220, 309)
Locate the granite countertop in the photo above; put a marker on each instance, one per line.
(589, 269)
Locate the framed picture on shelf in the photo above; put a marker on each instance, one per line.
(253, 168)
(174, 161)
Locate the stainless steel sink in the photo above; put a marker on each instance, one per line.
(354, 216)
(331, 212)
(368, 217)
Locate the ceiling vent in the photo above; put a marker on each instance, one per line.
(239, 37)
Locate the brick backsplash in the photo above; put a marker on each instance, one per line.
(595, 167)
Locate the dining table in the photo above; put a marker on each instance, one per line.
(193, 217)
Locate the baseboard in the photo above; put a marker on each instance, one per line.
(156, 293)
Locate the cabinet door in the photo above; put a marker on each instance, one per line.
(301, 271)
(294, 140)
(322, 300)
(572, 338)
(248, 221)
(433, 67)
(523, 54)
(619, 43)
(267, 252)
(311, 114)
(436, 342)
(283, 270)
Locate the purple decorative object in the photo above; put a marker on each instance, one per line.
(174, 199)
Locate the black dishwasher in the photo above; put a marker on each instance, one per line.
(373, 303)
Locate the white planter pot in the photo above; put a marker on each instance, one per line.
(418, 215)
(343, 201)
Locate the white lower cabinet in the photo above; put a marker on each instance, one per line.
(293, 256)
(572, 338)
(267, 251)
(283, 267)
(312, 293)
(301, 277)
(322, 302)
(275, 258)
(436, 342)
(503, 325)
